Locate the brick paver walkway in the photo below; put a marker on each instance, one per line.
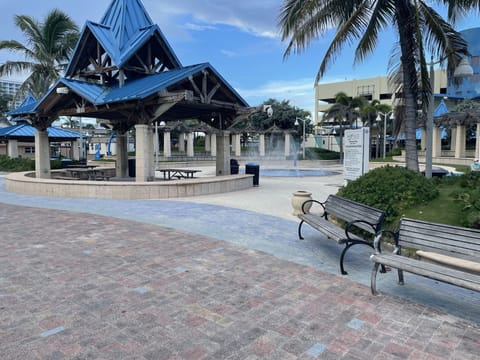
(80, 286)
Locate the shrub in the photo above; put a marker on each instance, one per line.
(392, 189)
(16, 164)
(321, 154)
(469, 197)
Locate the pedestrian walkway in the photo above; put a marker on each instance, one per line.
(189, 279)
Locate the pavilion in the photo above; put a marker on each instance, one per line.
(124, 72)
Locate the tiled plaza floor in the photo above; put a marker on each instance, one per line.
(82, 286)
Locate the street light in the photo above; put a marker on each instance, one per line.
(303, 142)
(462, 70)
(384, 127)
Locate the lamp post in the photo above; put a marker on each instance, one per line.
(384, 127)
(303, 142)
(462, 70)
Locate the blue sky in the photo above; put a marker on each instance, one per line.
(238, 37)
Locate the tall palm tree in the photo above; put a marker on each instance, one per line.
(419, 28)
(345, 111)
(46, 51)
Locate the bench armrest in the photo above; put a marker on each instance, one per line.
(377, 242)
(354, 223)
(313, 201)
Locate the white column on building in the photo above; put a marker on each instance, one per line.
(42, 155)
(437, 142)
(238, 147)
(261, 145)
(190, 151)
(287, 144)
(12, 149)
(213, 145)
(144, 153)
(460, 142)
(167, 144)
(423, 140)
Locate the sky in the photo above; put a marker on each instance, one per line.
(239, 38)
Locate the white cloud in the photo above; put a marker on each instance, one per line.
(255, 17)
(300, 93)
(198, 27)
(228, 53)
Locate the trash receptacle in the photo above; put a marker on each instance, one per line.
(233, 166)
(66, 163)
(131, 167)
(254, 169)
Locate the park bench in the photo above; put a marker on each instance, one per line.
(445, 253)
(354, 215)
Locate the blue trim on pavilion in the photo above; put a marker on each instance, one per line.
(26, 130)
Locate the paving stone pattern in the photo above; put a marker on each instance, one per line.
(81, 286)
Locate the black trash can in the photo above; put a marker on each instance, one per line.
(254, 169)
(66, 163)
(233, 166)
(131, 167)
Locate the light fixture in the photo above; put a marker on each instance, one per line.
(62, 90)
(463, 69)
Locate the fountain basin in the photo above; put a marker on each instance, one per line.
(295, 172)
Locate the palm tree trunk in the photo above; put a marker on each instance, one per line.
(410, 85)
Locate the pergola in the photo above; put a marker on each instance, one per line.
(124, 71)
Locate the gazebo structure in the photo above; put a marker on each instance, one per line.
(124, 71)
(23, 133)
(466, 114)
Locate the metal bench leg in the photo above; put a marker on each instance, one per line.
(373, 279)
(300, 230)
(348, 246)
(400, 277)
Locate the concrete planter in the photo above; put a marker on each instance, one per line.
(298, 198)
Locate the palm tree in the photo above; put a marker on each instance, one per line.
(346, 110)
(419, 28)
(46, 51)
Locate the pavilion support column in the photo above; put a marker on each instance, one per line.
(42, 155)
(287, 145)
(167, 144)
(208, 145)
(144, 153)
(190, 151)
(460, 142)
(423, 142)
(121, 163)
(261, 146)
(213, 145)
(181, 142)
(223, 153)
(453, 139)
(477, 143)
(437, 142)
(12, 149)
(238, 147)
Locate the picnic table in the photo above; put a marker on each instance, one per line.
(86, 173)
(169, 174)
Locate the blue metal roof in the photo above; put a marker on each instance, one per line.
(25, 107)
(26, 130)
(123, 30)
(441, 109)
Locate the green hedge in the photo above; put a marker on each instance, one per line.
(392, 189)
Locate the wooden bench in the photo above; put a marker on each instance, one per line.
(355, 215)
(446, 253)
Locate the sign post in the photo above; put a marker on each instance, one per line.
(356, 153)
